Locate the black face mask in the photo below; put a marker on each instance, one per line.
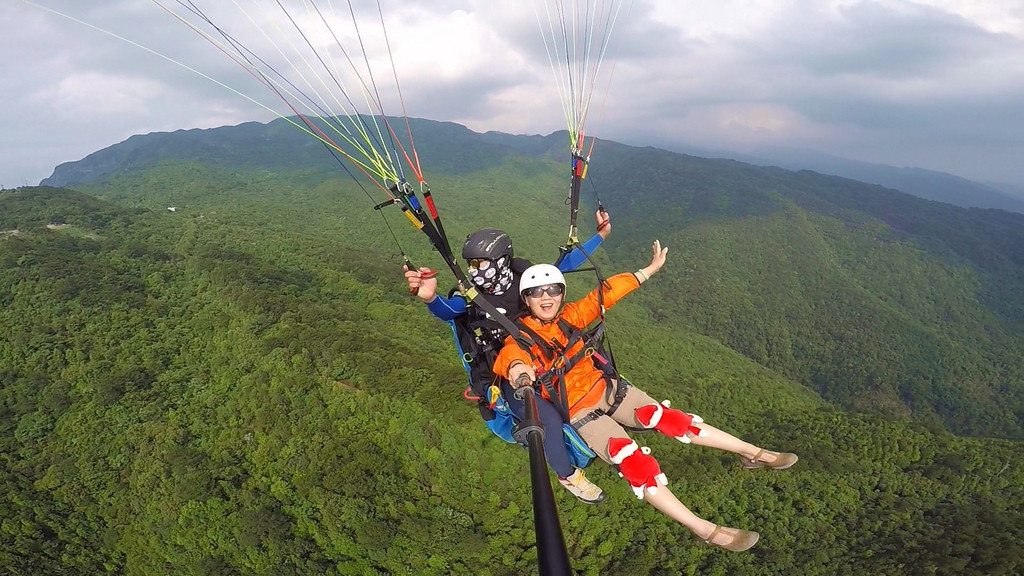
(493, 278)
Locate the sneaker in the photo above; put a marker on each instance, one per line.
(582, 488)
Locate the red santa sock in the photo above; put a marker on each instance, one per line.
(669, 421)
(637, 466)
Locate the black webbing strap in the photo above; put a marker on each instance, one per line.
(579, 172)
(547, 349)
(553, 380)
(556, 392)
(621, 388)
(473, 295)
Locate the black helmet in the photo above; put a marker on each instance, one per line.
(487, 243)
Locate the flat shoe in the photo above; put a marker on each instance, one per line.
(782, 461)
(750, 464)
(741, 540)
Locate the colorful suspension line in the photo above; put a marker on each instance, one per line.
(368, 142)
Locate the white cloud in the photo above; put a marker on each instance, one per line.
(995, 17)
(901, 81)
(96, 96)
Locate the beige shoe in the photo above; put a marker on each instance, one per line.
(741, 539)
(782, 461)
(582, 488)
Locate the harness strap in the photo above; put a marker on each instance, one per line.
(546, 348)
(551, 349)
(621, 388)
(473, 296)
(552, 380)
(557, 394)
(592, 415)
(553, 353)
(579, 172)
(568, 363)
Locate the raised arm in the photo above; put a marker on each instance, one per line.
(577, 258)
(425, 288)
(658, 256)
(583, 312)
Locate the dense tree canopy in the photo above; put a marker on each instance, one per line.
(243, 386)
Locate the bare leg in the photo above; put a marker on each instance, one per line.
(715, 438)
(668, 504)
(642, 412)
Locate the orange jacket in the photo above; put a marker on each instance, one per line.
(584, 383)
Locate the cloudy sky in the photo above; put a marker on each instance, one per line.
(935, 84)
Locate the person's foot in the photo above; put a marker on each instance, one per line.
(771, 460)
(582, 488)
(732, 539)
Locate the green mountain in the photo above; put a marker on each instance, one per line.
(877, 299)
(927, 184)
(243, 386)
(924, 302)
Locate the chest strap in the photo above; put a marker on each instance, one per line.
(553, 379)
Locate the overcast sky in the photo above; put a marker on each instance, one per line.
(936, 84)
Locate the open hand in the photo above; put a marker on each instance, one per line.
(658, 256)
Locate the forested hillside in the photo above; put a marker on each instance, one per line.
(878, 300)
(243, 386)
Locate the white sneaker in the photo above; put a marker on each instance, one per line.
(582, 488)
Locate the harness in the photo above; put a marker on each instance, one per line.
(480, 334)
(555, 355)
(479, 338)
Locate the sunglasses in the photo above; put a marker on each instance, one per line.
(550, 290)
(479, 263)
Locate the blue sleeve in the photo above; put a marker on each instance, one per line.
(447, 308)
(576, 258)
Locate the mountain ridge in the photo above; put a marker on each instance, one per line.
(479, 147)
(920, 182)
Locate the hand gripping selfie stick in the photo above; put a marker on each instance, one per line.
(552, 557)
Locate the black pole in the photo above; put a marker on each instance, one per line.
(552, 557)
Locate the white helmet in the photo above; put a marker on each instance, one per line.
(540, 275)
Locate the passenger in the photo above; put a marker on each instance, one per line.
(599, 406)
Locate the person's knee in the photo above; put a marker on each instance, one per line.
(669, 421)
(637, 466)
